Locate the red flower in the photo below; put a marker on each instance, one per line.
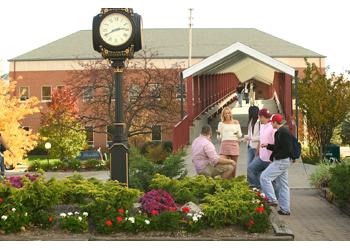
(108, 223)
(121, 211)
(50, 219)
(260, 209)
(266, 199)
(250, 223)
(185, 209)
(119, 219)
(1, 200)
(154, 212)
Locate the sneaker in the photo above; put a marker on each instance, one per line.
(281, 212)
(272, 204)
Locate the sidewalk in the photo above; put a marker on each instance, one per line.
(312, 217)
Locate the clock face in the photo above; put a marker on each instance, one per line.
(115, 29)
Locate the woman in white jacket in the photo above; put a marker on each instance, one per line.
(252, 137)
(229, 132)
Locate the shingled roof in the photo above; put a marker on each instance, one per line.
(173, 43)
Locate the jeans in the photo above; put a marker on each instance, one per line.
(239, 98)
(278, 171)
(255, 168)
(251, 154)
(2, 165)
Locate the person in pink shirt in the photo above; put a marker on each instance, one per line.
(262, 160)
(205, 158)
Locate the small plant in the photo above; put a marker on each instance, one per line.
(321, 176)
(14, 219)
(74, 222)
(157, 200)
(43, 219)
(340, 182)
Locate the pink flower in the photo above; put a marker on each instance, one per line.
(121, 211)
(119, 219)
(108, 223)
(50, 219)
(1, 200)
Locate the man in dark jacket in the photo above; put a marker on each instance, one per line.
(278, 170)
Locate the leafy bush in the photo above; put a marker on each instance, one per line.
(13, 218)
(38, 195)
(157, 200)
(43, 218)
(94, 164)
(340, 182)
(322, 175)
(73, 222)
(142, 170)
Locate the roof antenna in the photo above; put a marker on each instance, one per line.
(190, 39)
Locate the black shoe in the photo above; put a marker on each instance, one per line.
(283, 213)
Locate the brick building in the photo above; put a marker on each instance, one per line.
(48, 67)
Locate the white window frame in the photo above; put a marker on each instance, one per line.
(42, 100)
(20, 99)
(178, 91)
(90, 143)
(107, 141)
(154, 87)
(88, 98)
(134, 88)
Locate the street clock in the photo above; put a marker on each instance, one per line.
(117, 32)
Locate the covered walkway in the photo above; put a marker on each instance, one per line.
(211, 85)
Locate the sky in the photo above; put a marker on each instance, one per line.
(318, 25)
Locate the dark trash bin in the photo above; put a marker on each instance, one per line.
(332, 152)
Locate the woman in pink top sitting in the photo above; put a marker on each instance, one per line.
(229, 132)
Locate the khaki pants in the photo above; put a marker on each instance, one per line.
(216, 170)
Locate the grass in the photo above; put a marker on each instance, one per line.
(40, 158)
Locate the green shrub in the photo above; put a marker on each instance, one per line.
(340, 182)
(94, 164)
(73, 222)
(38, 195)
(322, 175)
(142, 171)
(14, 218)
(43, 218)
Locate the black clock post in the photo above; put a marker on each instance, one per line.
(117, 34)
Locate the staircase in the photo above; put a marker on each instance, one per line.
(241, 113)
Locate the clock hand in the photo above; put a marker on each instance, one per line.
(113, 30)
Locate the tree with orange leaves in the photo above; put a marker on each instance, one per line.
(60, 125)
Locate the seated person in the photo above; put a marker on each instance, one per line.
(205, 158)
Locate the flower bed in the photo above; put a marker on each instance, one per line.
(109, 208)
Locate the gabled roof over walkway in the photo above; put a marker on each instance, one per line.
(245, 62)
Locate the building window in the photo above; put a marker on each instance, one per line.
(156, 133)
(23, 93)
(46, 93)
(110, 134)
(87, 93)
(60, 87)
(134, 92)
(178, 91)
(90, 136)
(154, 90)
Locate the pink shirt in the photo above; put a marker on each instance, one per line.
(267, 133)
(203, 153)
